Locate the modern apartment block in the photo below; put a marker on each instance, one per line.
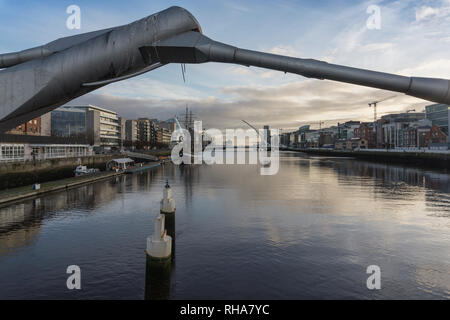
(439, 115)
(144, 130)
(101, 127)
(164, 136)
(393, 126)
(131, 131)
(152, 131)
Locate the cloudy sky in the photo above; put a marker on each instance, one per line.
(414, 39)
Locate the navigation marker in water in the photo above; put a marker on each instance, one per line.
(167, 202)
(158, 268)
(159, 246)
(168, 210)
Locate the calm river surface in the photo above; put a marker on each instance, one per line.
(308, 232)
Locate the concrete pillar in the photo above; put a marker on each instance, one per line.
(168, 210)
(159, 262)
(159, 246)
(157, 278)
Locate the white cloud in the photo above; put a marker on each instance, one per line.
(377, 46)
(146, 88)
(285, 51)
(439, 68)
(425, 12)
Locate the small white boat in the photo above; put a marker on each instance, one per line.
(84, 170)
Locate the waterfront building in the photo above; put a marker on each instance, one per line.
(170, 125)
(340, 144)
(144, 130)
(435, 138)
(131, 131)
(39, 126)
(414, 135)
(268, 135)
(393, 126)
(310, 139)
(33, 151)
(326, 139)
(293, 139)
(101, 127)
(304, 137)
(346, 130)
(365, 131)
(122, 129)
(379, 133)
(164, 136)
(439, 115)
(285, 139)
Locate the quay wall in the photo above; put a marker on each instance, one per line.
(424, 159)
(17, 174)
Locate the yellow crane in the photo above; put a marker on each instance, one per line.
(374, 105)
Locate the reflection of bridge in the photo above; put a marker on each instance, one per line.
(140, 156)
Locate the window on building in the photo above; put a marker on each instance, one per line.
(13, 152)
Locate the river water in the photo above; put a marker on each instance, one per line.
(308, 232)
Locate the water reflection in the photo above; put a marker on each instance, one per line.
(238, 234)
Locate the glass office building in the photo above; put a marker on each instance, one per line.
(101, 127)
(439, 114)
(68, 122)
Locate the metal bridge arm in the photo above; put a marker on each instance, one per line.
(193, 47)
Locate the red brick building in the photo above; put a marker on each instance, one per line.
(32, 127)
(365, 132)
(435, 135)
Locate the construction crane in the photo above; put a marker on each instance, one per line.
(320, 123)
(374, 105)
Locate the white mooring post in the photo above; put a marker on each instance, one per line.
(167, 202)
(159, 246)
(159, 262)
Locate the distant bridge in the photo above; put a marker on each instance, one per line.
(141, 156)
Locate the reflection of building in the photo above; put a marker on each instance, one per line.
(100, 126)
(439, 114)
(20, 223)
